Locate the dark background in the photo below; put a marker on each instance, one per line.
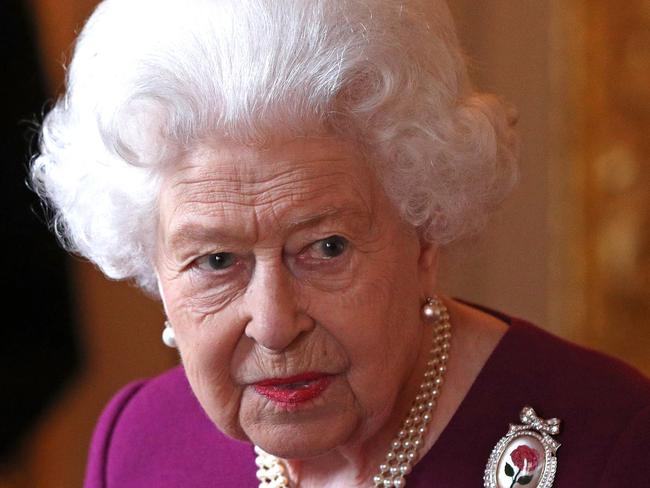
(38, 352)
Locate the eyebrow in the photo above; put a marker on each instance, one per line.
(192, 232)
(333, 213)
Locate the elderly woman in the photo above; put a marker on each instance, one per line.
(282, 174)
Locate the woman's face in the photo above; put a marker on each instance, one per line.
(294, 290)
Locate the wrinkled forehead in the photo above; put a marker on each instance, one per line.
(255, 163)
(236, 168)
(292, 183)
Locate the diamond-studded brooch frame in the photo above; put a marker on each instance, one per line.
(526, 455)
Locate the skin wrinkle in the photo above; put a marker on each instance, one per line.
(331, 284)
(284, 311)
(283, 363)
(188, 233)
(236, 184)
(192, 206)
(254, 199)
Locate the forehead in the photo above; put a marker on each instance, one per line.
(288, 183)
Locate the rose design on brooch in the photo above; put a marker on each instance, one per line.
(525, 460)
(526, 455)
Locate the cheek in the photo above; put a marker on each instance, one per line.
(205, 293)
(383, 353)
(213, 386)
(377, 325)
(206, 344)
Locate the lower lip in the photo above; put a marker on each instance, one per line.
(294, 396)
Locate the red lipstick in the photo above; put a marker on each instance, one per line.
(294, 389)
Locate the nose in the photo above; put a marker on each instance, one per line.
(275, 315)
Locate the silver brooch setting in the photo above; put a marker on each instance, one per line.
(526, 455)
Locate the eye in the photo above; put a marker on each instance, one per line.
(331, 247)
(216, 262)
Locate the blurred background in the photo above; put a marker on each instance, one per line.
(569, 251)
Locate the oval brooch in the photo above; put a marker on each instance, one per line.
(526, 455)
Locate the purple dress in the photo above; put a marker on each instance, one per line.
(155, 434)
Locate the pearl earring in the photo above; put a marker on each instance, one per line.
(168, 335)
(432, 308)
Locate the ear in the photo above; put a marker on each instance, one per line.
(428, 266)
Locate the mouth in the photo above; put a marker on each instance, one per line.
(294, 389)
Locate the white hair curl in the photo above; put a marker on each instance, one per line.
(150, 77)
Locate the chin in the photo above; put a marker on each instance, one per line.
(307, 428)
(303, 440)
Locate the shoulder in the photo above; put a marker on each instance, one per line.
(155, 433)
(574, 372)
(603, 403)
(603, 406)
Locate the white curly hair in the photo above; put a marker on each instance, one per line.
(151, 77)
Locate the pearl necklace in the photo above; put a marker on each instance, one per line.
(403, 452)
